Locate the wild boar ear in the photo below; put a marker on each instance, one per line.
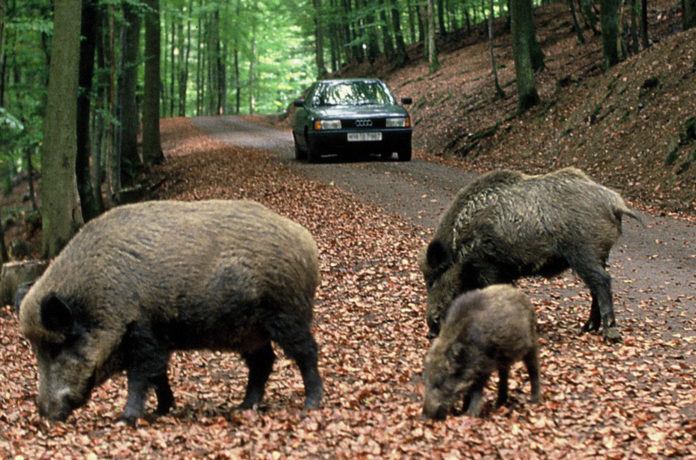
(438, 255)
(56, 315)
(457, 351)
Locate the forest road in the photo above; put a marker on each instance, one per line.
(653, 268)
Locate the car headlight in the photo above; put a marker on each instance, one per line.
(401, 122)
(327, 124)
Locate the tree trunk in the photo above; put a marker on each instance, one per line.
(521, 48)
(319, 39)
(183, 66)
(3, 249)
(30, 180)
(372, 45)
(498, 90)
(535, 53)
(588, 15)
(689, 13)
(441, 17)
(634, 28)
(113, 156)
(644, 24)
(610, 31)
(90, 207)
(401, 54)
(3, 8)
(61, 214)
(412, 18)
(199, 61)
(127, 106)
(433, 63)
(174, 25)
(252, 57)
(152, 147)
(388, 45)
(576, 24)
(222, 79)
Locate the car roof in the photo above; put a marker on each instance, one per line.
(349, 80)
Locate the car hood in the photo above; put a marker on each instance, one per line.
(359, 111)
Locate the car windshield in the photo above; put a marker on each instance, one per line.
(352, 93)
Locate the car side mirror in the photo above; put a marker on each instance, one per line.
(298, 103)
(406, 100)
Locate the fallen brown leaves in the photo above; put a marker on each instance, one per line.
(635, 399)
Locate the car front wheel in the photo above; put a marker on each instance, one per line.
(312, 152)
(299, 153)
(404, 153)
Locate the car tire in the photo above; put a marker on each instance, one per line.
(312, 155)
(404, 153)
(299, 153)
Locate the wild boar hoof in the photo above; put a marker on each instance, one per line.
(611, 334)
(127, 420)
(591, 325)
(247, 406)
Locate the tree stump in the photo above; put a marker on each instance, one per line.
(18, 276)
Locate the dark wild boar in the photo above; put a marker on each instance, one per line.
(485, 329)
(145, 279)
(506, 225)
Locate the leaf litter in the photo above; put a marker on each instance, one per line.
(634, 399)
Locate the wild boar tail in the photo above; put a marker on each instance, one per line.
(625, 210)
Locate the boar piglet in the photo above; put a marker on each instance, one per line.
(145, 279)
(485, 330)
(506, 225)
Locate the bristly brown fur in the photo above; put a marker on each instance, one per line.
(506, 225)
(485, 330)
(145, 279)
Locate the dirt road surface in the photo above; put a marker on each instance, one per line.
(653, 268)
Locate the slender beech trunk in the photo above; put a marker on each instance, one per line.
(610, 31)
(61, 214)
(401, 53)
(127, 106)
(433, 62)
(521, 48)
(689, 13)
(152, 147)
(498, 90)
(576, 24)
(644, 24)
(319, 39)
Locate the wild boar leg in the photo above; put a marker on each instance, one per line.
(595, 320)
(476, 396)
(260, 364)
(165, 397)
(138, 384)
(598, 280)
(295, 338)
(531, 361)
(503, 372)
(147, 368)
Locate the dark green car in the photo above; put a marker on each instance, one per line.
(351, 117)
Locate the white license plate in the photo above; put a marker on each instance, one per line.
(363, 137)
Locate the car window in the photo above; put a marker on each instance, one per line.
(352, 93)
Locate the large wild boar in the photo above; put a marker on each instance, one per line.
(506, 225)
(145, 279)
(485, 330)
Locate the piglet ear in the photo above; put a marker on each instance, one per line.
(56, 315)
(438, 255)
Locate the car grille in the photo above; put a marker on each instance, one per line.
(364, 123)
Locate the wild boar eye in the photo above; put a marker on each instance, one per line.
(52, 349)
